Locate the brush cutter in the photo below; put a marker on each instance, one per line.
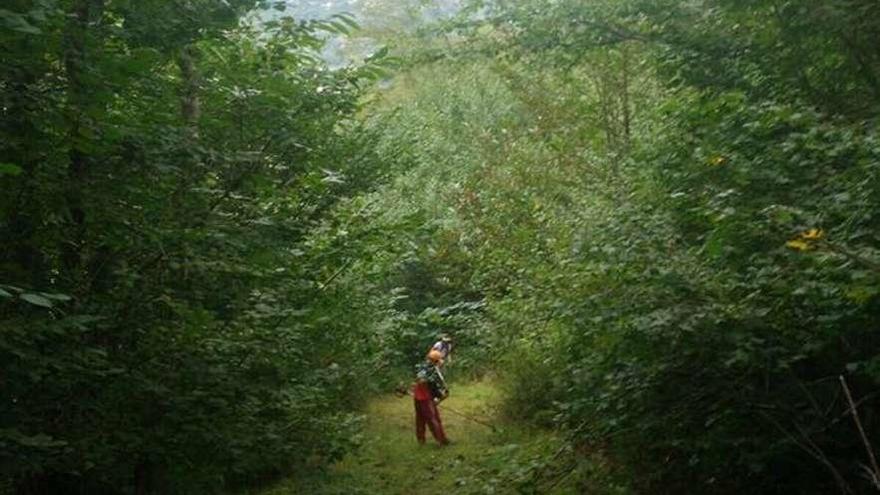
(401, 390)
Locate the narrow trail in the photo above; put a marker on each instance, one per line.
(479, 460)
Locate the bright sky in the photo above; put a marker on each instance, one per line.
(369, 14)
(321, 8)
(365, 8)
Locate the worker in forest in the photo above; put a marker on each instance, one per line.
(444, 347)
(429, 390)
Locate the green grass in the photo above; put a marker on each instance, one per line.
(479, 460)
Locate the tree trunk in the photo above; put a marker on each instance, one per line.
(190, 105)
(79, 38)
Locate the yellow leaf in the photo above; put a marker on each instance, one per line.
(718, 160)
(798, 245)
(813, 234)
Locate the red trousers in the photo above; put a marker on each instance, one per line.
(427, 414)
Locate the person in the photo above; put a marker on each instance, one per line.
(444, 347)
(428, 390)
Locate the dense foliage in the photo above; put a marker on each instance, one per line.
(168, 319)
(656, 220)
(669, 213)
(676, 232)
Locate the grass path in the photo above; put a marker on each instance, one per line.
(478, 461)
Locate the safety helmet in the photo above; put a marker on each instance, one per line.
(435, 356)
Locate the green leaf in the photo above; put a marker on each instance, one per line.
(347, 19)
(17, 22)
(9, 169)
(56, 297)
(339, 27)
(216, 52)
(382, 52)
(40, 441)
(37, 300)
